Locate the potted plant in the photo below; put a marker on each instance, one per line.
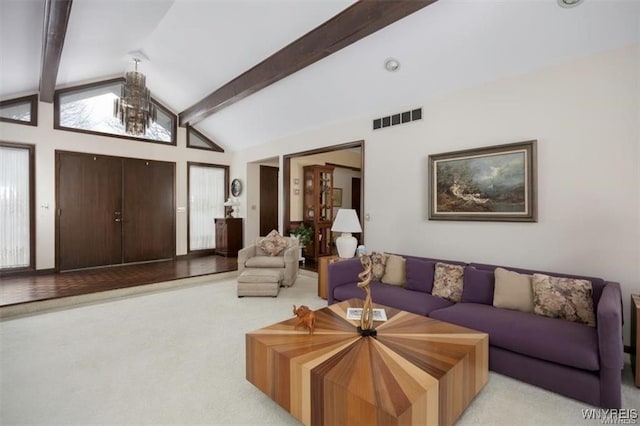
(304, 235)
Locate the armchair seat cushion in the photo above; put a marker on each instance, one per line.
(265, 262)
(561, 342)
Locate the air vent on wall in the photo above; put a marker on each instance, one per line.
(395, 119)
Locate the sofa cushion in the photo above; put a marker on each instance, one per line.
(265, 262)
(378, 263)
(562, 342)
(448, 281)
(395, 271)
(597, 284)
(420, 274)
(416, 302)
(273, 243)
(565, 298)
(512, 290)
(478, 286)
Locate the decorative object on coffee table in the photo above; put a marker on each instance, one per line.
(366, 321)
(306, 318)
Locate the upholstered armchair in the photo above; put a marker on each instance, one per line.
(257, 256)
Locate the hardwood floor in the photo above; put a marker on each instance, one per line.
(24, 289)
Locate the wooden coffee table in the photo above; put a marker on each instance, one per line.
(416, 371)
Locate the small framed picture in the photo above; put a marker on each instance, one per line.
(337, 197)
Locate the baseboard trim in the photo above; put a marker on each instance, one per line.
(25, 272)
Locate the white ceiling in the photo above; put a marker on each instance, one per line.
(196, 46)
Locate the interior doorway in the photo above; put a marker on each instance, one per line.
(268, 199)
(347, 159)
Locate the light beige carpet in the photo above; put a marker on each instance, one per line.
(177, 356)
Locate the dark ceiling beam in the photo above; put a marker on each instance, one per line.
(56, 18)
(354, 23)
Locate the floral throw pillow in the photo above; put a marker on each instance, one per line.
(565, 298)
(273, 243)
(378, 265)
(447, 281)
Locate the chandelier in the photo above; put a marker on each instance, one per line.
(134, 108)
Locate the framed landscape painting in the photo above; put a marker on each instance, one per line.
(496, 183)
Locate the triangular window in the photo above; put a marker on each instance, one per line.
(89, 108)
(20, 110)
(197, 140)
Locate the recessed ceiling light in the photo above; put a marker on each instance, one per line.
(391, 64)
(569, 3)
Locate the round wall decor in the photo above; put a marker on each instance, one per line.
(236, 187)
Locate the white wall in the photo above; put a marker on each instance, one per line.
(47, 141)
(342, 179)
(584, 114)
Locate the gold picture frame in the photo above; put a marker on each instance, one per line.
(337, 197)
(495, 183)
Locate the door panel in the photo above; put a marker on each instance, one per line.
(89, 195)
(355, 195)
(268, 199)
(148, 210)
(356, 202)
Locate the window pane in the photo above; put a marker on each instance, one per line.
(197, 141)
(206, 202)
(14, 208)
(92, 109)
(18, 111)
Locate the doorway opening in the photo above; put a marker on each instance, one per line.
(347, 161)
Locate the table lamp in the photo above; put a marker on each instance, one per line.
(346, 222)
(234, 206)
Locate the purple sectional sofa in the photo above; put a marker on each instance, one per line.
(569, 358)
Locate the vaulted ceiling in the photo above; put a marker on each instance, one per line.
(197, 46)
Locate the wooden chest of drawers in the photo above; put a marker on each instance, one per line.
(228, 236)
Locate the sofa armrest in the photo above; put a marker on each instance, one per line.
(291, 253)
(609, 323)
(290, 265)
(341, 273)
(244, 255)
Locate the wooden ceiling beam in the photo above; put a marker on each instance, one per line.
(56, 18)
(354, 23)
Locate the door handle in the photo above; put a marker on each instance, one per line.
(118, 220)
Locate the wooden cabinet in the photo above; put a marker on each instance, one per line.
(635, 336)
(317, 208)
(228, 236)
(323, 276)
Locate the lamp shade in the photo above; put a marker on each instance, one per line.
(346, 221)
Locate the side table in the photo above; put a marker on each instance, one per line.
(635, 337)
(323, 265)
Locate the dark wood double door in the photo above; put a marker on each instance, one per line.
(113, 210)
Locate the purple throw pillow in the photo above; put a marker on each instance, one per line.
(419, 274)
(478, 286)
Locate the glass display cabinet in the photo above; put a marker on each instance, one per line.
(317, 208)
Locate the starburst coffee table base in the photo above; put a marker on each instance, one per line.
(417, 370)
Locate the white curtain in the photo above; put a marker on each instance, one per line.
(14, 208)
(206, 202)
